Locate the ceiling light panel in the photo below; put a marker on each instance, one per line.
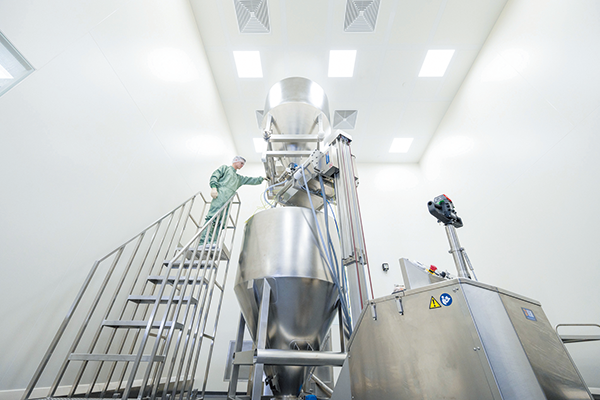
(435, 64)
(361, 16)
(401, 145)
(341, 63)
(13, 66)
(248, 64)
(252, 16)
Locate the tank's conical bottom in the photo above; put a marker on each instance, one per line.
(280, 245)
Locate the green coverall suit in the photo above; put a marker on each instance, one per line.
(227, 181)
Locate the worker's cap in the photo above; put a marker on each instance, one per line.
(239, 159)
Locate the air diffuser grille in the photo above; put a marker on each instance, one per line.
(344, 119)
(13, 66)
(259, 117)
(361, 16)
(252, 16)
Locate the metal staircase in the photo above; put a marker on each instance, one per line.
(137, 326)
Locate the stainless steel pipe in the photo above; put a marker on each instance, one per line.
(456, 251)
(299, 358)
(322, 385)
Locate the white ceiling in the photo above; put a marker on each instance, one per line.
(391, 100)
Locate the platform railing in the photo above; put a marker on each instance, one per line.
(137, 325)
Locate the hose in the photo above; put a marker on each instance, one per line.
(271, 187)
(340, 269)
(328, 261)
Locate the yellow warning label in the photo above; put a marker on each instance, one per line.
(434, 303)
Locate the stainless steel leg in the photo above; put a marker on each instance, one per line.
(341, 326)
(261, 340)
(235, 372)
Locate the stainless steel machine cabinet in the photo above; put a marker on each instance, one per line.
(459, 339)
(280, 244)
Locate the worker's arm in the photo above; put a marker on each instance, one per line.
(251, 181)
(215, 178)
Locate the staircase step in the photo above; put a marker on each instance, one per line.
(149, 299)
(112, 357)
(157, 279)
(186, 263)
(139, 324)
(208, 249)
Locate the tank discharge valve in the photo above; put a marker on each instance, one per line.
(442, 208)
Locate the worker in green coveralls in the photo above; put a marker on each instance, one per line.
(224, 182)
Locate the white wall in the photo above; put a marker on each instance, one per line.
(517, 152)
(92, 152)
(530, 109)
(101, 140)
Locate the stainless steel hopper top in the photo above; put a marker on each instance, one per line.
(295, 103)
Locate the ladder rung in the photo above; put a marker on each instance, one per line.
(149, 299)
(139, 324)
(112, 357)
(208, 336)
(156, 279)
(218, 285)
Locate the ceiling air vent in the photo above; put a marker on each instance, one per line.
(13, 66)
(259, 117)
(252, 16)
(344, 119)
(361, 16)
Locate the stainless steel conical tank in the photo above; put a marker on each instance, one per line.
(281, 245)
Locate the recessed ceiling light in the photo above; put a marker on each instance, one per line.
(4, 74)
(260, 145)
(401, 145)
(248, 64)
(341, 63)
(435, 64)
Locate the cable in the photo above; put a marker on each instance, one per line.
(342, 271)
(334, 218)
(329, 244)
(339, 268)
(328, 264)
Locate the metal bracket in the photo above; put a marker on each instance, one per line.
(399, 305)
